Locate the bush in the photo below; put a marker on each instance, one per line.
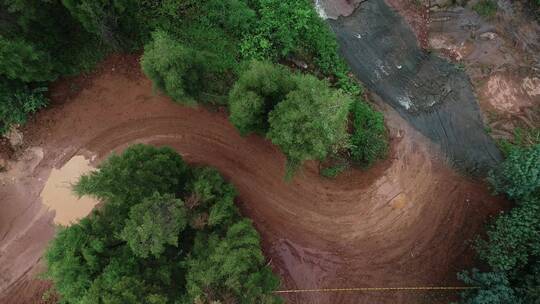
(369, 139)
(118, 23)
(22, 61)
(17, 101)
(310, 122)
(334, 170)
(494, 288)
(512, 246)
(174, 68)
(137, 173)
(177, 238)
(519, 175)
(486, 8)
(258, 90)
(512, 238)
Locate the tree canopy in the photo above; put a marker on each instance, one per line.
(165, 233)
(174, 68)
(511, 248)
(258, 90)
(310, 121)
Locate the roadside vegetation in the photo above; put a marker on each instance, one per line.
(200, 52)
(511, 248)
(165, 233)
(486, 8)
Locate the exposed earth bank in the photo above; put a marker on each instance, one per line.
(405, 222)
(431, 93)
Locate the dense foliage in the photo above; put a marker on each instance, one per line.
(174, 68)
(39, 41)
(305, 117)
(369, 140)
(486, 8)
(512, 246)
(194, 51)
(17, 100)
(166, 233)
(309, 122)
(258, 90)
(519, 176)
(301, 114)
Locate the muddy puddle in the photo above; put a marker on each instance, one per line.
(57, 194)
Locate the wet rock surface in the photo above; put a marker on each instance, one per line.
(434, 95)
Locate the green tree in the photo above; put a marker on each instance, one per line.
(17, 101)
(137, 247)
(494, 288)
(221, 268)
(310, 122)
(21, 60)
(136, 174)
(258, 90)
(512, 246)
(174, 68)
(519, 175)
(153, 224)
(369, 140)
(512, 238)
(118, 23)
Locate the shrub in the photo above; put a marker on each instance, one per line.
(174, 68)
(486, 8)
(309, 122)
(519, 175)
(369, 139)
(17, 101)
(118, 23)
(22, 61)
(137, 173)
(512, 238)
(154, 223)
(334, 170)
(258, 90)
(139, 248)
(494, 288)
(512, 245)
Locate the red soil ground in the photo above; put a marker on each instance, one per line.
(405, 222)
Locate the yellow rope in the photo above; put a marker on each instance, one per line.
(374, 289)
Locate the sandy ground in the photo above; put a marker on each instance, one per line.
(405, 222)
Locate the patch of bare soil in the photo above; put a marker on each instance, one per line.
(416, 14)
(405, 222)
(500, 54)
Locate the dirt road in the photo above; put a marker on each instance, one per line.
(404, 222)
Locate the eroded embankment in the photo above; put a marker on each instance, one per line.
(404, 222)
(434, 95)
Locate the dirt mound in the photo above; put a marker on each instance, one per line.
(404, 222)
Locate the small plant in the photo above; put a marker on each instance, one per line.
(369, 139)
(333, 170)
(486, 8)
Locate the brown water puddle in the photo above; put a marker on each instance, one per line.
(58, 195)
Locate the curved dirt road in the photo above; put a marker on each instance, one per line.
(405, 222)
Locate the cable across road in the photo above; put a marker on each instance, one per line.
(420, 288)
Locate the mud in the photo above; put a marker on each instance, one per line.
(404, 222)
(58, 195)
(434, 95)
